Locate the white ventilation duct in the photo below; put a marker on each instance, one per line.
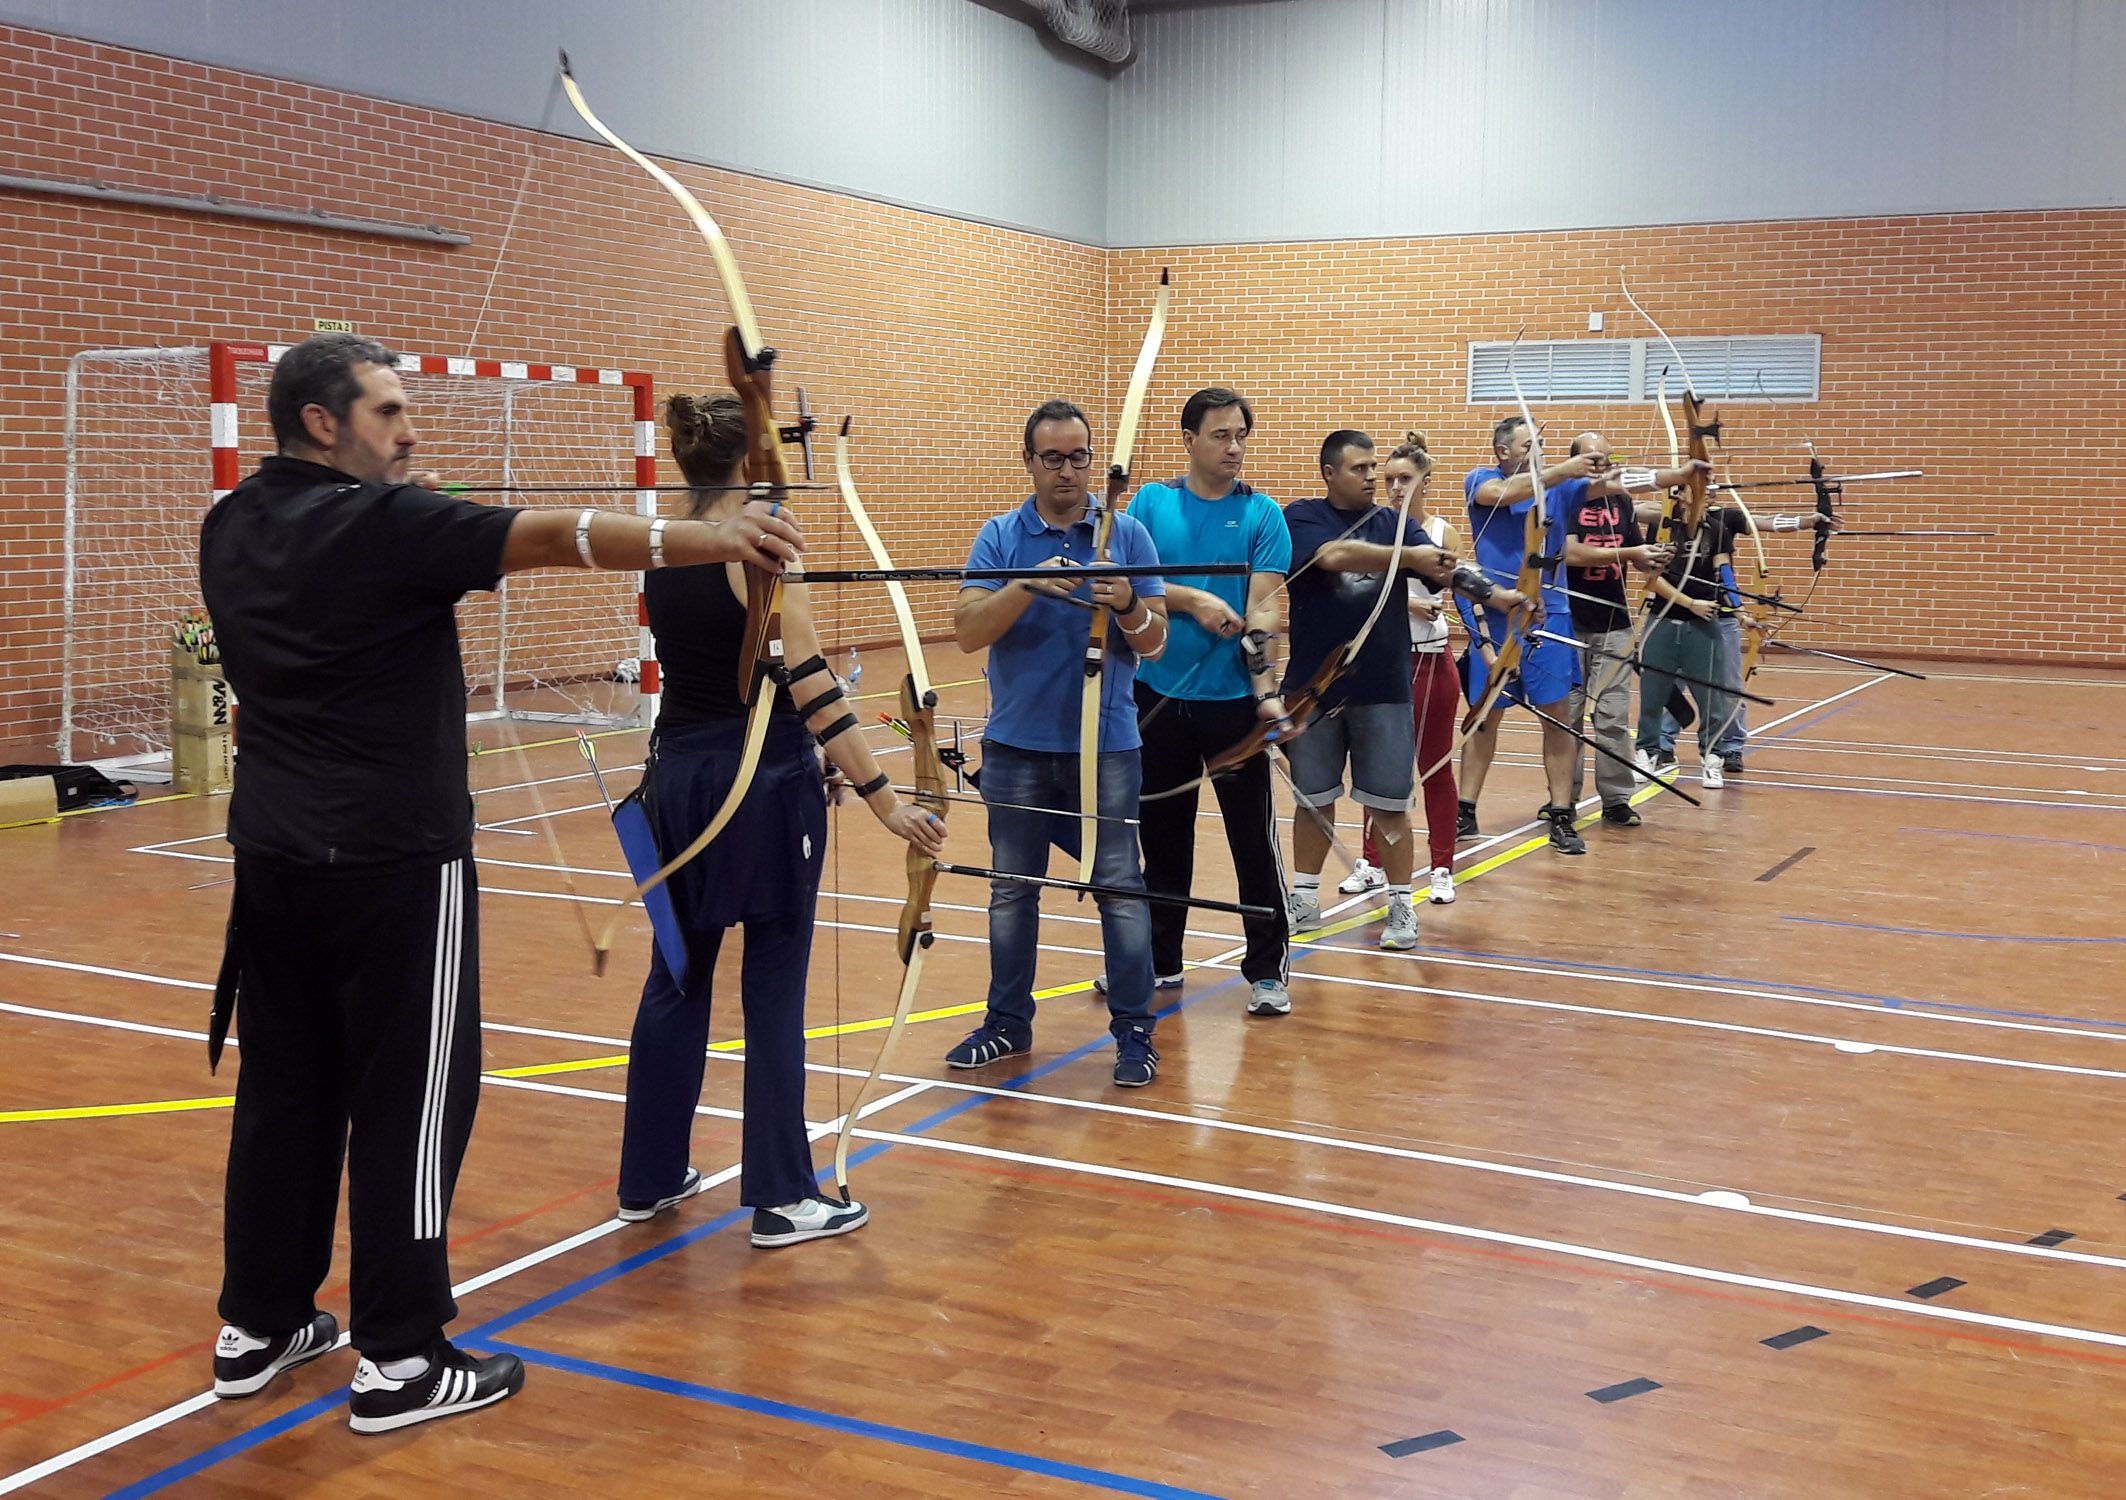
(1100, 27)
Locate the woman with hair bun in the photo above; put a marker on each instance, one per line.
(762, 871)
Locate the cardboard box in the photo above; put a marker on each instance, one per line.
(25, 799)
(199, 694)
(202, 760)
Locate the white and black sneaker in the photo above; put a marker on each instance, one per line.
(808, 1219)
(452, 1381)
(635, 1213)
(245, 1362)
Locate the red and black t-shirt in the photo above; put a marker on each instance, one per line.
(1601, 521)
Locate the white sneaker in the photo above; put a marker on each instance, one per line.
(1267, 997)
(1304, 908)
(1401, 934)
(1644, 761)
(1363, 877)
(1440, 890)
(1710, 775)
(807, 1219)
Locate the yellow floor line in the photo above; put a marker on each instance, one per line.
(108, 1111)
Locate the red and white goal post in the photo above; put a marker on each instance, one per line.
(145, 427)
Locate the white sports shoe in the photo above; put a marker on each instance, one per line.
(1304, 908)
(1710, 774)
(1440, 890)
(1401, 933)
(1363, 877)
(1644, 761)
(808, 1219)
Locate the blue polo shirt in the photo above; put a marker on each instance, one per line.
(1496, 531)
(1244, 526)
(1036, 669)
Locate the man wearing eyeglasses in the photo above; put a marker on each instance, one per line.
(1207, 693)
(1035, 632)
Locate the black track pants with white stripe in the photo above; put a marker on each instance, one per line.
(358, 1020)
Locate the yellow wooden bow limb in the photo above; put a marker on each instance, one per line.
(1140, 381)
(748, 362)
(914, 933)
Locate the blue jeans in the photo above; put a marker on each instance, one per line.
(1737, 731)
(1019, 842)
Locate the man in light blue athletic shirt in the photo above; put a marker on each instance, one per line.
(1036, 644)
(1212, 687)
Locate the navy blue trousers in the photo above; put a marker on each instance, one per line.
(667, 1053)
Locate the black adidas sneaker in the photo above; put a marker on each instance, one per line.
(453, 1382)
(244, 1362)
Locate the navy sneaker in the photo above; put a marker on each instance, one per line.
(1136, 1059)
(244, 1362)
(984, 1045)
(691, 1184)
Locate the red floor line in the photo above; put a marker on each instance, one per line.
(28, 1408)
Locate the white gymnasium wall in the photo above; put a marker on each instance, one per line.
(936, 104)
(1268, 120)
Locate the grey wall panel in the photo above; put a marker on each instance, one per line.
(940, 104)
(1474, 116)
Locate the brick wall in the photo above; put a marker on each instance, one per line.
(1988, 350)
(1984, 349)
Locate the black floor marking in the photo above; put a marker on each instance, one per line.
(1794, 1336)
(1935, 1287)
(2050, 1238)
(1404, 1447)
(1787, 864)
(1624, 1391)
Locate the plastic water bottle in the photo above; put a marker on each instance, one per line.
(855, 674)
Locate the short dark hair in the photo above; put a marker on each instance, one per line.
(1054, 411)
(1336, 443)
(319, 372)
(1502, 430)
(1212, 398)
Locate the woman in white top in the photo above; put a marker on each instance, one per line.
(1435, 686)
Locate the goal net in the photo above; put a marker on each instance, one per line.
(154, 436)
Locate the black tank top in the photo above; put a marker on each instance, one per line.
(700, 626)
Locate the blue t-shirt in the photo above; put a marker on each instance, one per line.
(1495, 536)
(1329, 608)
(1036, 669)
(1244, 527)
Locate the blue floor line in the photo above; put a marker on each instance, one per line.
(482, 1335)
(906, 1437)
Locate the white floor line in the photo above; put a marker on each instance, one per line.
(916, 1085)
(1656, 1018)
(1565, 1248)
(1970, 797)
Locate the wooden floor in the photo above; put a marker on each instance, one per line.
(1769, 1150)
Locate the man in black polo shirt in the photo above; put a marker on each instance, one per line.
(354, 928)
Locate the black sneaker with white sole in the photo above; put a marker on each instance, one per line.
(635, 1213)
(812, 1219)
(453, 1382)
(245, 1362)
(1564, 838)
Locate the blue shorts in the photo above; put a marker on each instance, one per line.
(1547, 674)
(1380, 742)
